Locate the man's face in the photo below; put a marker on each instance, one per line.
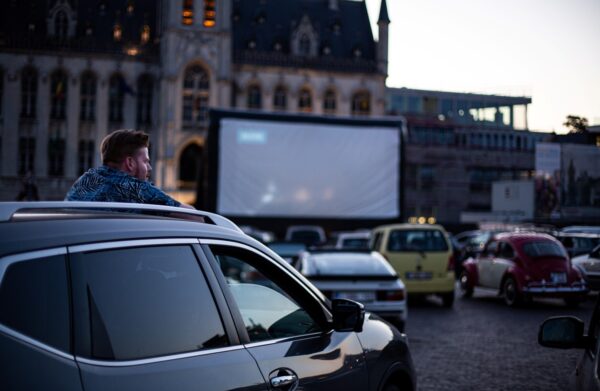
(138, 165)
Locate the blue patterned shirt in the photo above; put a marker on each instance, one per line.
(111, 185)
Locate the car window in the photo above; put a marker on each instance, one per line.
(34, 300)
(308, 237)
(505, 250)
(417, 240)
(268, 310)
(360, 243)
(544, 248)
(144, 302)
(491, 248)
(347, 264)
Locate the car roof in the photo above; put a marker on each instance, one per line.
(404, 226)
(34, 226)
(521, 237)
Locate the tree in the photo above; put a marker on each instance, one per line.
(576, 124)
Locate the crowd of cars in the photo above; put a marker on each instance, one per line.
(87, 291)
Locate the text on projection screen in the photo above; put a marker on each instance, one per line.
(307, 170)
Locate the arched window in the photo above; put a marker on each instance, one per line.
(305, 100)
(187, 13)
(61, 25)
(329, 102)
(87, 109)
(280, 98)
(190, 167)
(29, 80)
(145, 85)
(361, 103)
(304, 45)
(58, 95)
(116, 97)
(254, 97)
(195, 97)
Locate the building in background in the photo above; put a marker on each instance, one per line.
(73, 71)
(456, 146)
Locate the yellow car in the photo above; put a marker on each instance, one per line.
(421, 256)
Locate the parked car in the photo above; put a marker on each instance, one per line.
(421, 255)
(578, 243)
(589, 266)
(310, 235)
(470, 244)
(287, 250)
(353, 240)
(258, 234)
(107, 296)
(590, 229)
(567, 332)
(521, 266)
(364, 276)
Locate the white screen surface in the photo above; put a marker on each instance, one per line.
(293, 169)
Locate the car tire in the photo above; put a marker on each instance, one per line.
(511, 295)
(572, 303)
(448, 299)
(466, 289)
(391, 387)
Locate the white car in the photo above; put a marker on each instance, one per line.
(353, 240)
(311, 235)
(363, 276)
(589, 266)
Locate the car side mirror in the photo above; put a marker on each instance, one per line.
(348, 315)
(563, 332)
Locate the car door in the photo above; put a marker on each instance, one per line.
(148, 317)
(282, 323)
(484, 264)
(587, 372)
(35, 333)
(501, 263)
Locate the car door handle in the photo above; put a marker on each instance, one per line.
(282, 381)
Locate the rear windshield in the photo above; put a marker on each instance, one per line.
(287, 249)
(417, 240)
(543, 249)
(307, 237)
(355, 243)
(348, 264)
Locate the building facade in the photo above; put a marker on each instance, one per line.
(457, 145)
(73, 71)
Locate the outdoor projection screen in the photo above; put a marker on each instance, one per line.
(294, 169)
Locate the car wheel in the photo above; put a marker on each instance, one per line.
(466, 289)
(448, 299)
(511, 294)
(391, 387)
(572, 303)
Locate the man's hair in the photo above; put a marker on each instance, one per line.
(122, 143)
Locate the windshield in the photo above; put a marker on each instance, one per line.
(543, 249)
(417, 240)
(308, 237)
(355, 243)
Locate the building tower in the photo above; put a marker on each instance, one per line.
(382, 45)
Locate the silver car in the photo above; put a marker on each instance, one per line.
(589, 266)
(363, 276)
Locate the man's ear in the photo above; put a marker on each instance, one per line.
(129, 164)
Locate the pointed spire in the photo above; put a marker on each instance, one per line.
(383, 13)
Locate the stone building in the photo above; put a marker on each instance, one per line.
(71, 71)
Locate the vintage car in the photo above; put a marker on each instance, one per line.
(520, 266)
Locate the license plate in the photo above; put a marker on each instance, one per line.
(363, 297)
(419, 275)
(558, 278)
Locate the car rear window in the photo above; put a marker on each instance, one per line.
(307, 237)
(355, 243)
(348, 264)
(417, 240)
(543, 249)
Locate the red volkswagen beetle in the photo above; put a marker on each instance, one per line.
(521, 266)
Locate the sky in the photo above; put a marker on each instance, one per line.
(548, 50)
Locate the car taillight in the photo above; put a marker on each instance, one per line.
(451, 263)
(395, 295)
